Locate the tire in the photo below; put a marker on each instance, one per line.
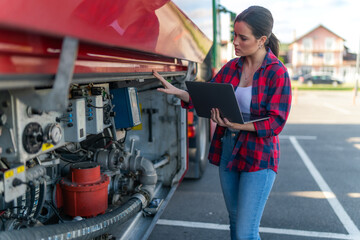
(198, 151)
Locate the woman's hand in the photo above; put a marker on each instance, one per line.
(168, 87)
(171, 89)
(224, 122)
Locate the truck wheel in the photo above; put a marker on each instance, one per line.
(198, 150)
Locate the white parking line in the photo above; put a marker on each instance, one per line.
(298, 137)
(324, 187)
(189, 224)
(292, 232)
(337, 108)
(349, 225)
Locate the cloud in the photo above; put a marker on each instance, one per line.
(301, 16)
(200, 12)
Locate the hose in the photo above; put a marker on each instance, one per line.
(41, 201)
(85, 229)
(93, 227)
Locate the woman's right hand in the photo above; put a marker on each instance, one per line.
(171, 89)
(168, 87)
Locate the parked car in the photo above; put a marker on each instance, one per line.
(310, 79)
(297, 76)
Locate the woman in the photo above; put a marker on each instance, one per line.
(248, 154)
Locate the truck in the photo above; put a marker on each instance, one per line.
(89, 149)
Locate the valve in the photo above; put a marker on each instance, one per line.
(32, 137)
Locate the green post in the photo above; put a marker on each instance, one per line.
(232, 19)
(215, 15)
(357, 71)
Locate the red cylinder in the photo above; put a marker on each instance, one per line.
(85, 192)
(85, 173)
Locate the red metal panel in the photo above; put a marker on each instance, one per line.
(29, 53)
(153, 27)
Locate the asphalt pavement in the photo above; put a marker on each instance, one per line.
(316, 194)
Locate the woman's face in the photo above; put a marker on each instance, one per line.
(244, 41)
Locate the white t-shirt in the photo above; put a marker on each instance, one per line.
(243, 96)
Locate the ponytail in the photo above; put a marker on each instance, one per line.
(273, 44)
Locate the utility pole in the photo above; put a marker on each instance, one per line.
(215, 33)
(222, 9)
(357, 71)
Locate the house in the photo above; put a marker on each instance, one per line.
(318, 51)
(226, 51)
(348, 70)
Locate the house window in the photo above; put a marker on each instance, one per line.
(308, 43)
(305, 69)
(329, 43)
(329, 70)
(329, 58)
(307, 59)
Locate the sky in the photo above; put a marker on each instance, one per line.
(292, 18)
(298, 17)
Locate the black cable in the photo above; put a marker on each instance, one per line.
(71, 160)
(124, 138)
(41, 199)
(55, 211)
(2, 210)
(3, 224)
(90, 105)
(65, 166)
(5, 163)
(76, 151)
(98, 140)
(32, 201)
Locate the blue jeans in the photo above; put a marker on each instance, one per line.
(245, 193)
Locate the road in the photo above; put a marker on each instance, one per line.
(316, 194)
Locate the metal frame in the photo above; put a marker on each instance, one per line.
(57, 98)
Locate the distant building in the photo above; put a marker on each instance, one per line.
(322, 51)
(227, 51)
(348, 70)
(283, 52)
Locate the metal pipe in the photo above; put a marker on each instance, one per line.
(161, 162)
(148, 177)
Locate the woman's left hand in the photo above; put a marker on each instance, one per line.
(215, 116)
(224, 122)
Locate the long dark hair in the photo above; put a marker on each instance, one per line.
(260, 21)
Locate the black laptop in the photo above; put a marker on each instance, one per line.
(206, 96)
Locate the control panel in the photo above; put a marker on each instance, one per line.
(27, 132)
(74, 121)
(126, 107)
(94, 115)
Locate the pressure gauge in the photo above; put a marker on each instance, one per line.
(53, 133)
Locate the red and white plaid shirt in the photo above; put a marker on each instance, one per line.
(271, 96)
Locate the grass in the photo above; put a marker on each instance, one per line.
(340, 87)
